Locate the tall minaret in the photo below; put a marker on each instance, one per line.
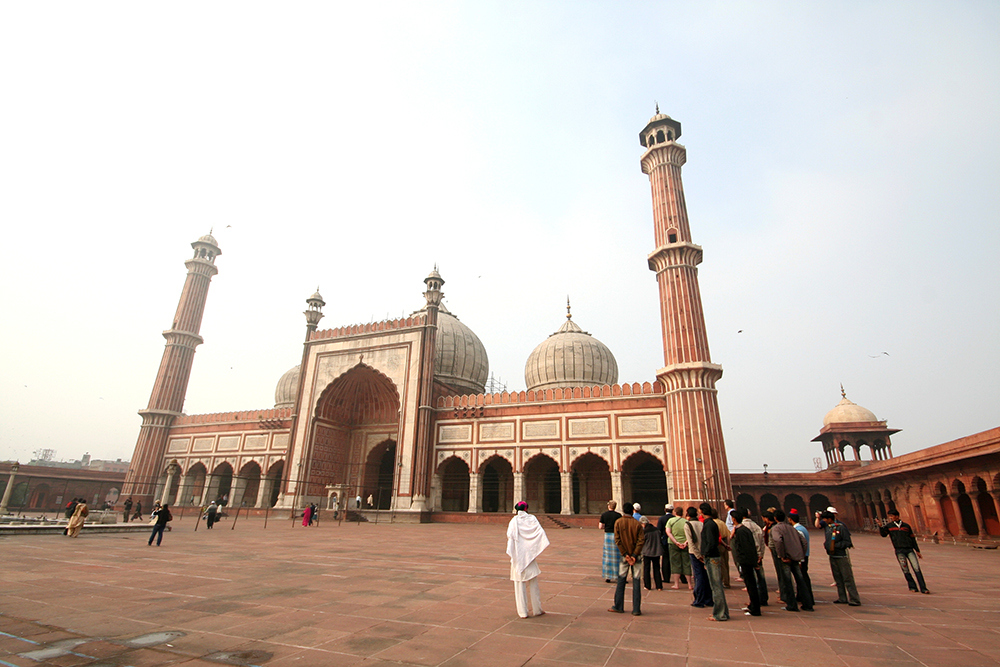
(696, 452)
(423, 457)
(167, 399)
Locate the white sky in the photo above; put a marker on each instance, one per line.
(842, 178)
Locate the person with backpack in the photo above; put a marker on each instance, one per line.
(162, 516)
(837, 542)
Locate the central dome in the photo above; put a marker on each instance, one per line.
(570, 357)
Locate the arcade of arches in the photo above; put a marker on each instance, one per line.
(584, 489)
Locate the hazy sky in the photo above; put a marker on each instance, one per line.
(843, 161)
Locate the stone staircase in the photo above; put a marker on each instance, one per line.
(552, 521)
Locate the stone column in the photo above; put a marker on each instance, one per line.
(237, 491)
(435, 493)
(566, 491)
(10, 487)
(183, 491)
(475, 492)
(211, 490)
(979, 515)
(518, 487)
(617, 493)
(263, 491)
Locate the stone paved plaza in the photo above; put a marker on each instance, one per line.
(438, 594)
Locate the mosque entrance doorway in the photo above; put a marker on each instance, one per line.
(455, 485)
(359, 407)
(379, 477)
(591, 484)
(541, 482)
(647, 483)
(498, 485)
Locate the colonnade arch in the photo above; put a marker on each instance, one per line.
(591, 484)
(542, 484)
(644, 481)
(497, 485)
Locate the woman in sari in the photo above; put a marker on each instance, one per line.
(307, 516)
(76, 521)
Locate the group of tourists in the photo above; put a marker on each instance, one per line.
(693, 547)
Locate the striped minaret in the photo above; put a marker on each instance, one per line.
(696, 453)
(167, 399)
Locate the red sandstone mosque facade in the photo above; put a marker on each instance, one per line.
(397, 410)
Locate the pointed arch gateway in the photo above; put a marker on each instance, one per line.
(356, 416)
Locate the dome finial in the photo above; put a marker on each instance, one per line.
(569, 315)
(657, 107)
(843, 394)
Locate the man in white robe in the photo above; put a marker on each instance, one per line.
(526, 540)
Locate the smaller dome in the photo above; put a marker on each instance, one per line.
(209, 239)
(287, 390)
(316, 297)
(847, 412)
(659, 116)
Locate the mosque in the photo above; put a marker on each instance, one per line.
(397, 411)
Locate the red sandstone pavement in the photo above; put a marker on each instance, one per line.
(438, 594)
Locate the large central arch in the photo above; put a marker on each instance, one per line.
(354, 415)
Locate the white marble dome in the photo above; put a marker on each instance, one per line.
(460, 358)
(287, 389)
(847, 412)
(570, 357)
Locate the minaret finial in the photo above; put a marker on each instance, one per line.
(210, 230)
(843, 394)
(657, 107)
(569, 315)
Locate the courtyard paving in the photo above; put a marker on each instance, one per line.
(438, 594)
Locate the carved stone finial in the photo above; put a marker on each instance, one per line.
(843, 394)
(569, 315)
(657, 107)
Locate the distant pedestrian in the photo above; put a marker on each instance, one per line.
(907, 550)
(526, 540)
(80, 513)
(128, 507)
(652, 552)
(357, 501)
(138, 511)
(71, 508)
(211, 515)
(335, 506)
(313, 514)
(724, 533)
(371, 500)
(161, 516)
(636, 511)
(307, 516)
(629, 538)
(609, 556)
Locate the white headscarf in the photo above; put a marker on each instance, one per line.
(526, 540)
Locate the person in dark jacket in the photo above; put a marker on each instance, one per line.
(907, 550)
(162, 516)
(745, 555)
(629, 538)
(837, 541)
(652, 551)
(711, 554)
(790, 547)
